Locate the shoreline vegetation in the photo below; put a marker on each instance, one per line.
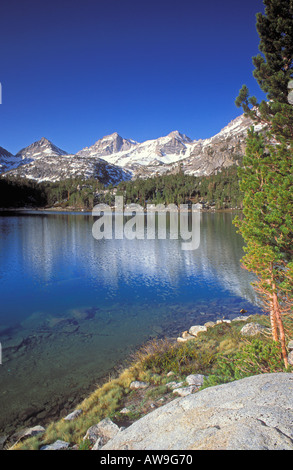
(70, 210)
(162, 370)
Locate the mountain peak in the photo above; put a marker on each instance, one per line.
(114, 135)
(37, 149)
(178, 135)
(43, 140)
(175, 133)
(107, 145)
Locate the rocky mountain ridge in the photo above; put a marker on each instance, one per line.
(7, 160)
(114, 158)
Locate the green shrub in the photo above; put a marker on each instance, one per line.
(181, 359)
(85, 445)
(255, 357)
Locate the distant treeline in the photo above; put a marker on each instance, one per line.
(21, 192)
(220, 191)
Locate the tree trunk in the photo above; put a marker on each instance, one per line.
(278, 317)
(273, 317)
(273, 322)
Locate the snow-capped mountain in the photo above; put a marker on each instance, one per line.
(107, 146)
(166, 154)
(44, 161)
(59, 168)
(114, 158)
(40, 149)
(220, 151)
(27, 155)
(129, 153)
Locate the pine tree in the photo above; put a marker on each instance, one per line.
(273, 69)
(266, 176)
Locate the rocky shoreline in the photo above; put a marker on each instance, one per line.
(34, 345)
(190, 385)
(89, 211)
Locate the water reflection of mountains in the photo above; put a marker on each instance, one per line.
(53, 240)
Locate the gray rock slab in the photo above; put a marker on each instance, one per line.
(196, 329)
(137, 385)
(74, 415)
(253, 329)
(3, 440)
(195, 379)
(58, 445)
(183, 392)
(26, 433)
(255, 413)
(101, 432)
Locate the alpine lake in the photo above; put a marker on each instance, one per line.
(74, 308)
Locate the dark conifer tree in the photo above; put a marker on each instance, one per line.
(267, 176)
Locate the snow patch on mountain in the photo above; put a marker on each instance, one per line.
(113, 158)
(164, 150)
(39, 149)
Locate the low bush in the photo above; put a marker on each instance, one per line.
(255, 357)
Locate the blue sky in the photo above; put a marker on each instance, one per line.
(76, 70)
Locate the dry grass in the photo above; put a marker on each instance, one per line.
(151, 364)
